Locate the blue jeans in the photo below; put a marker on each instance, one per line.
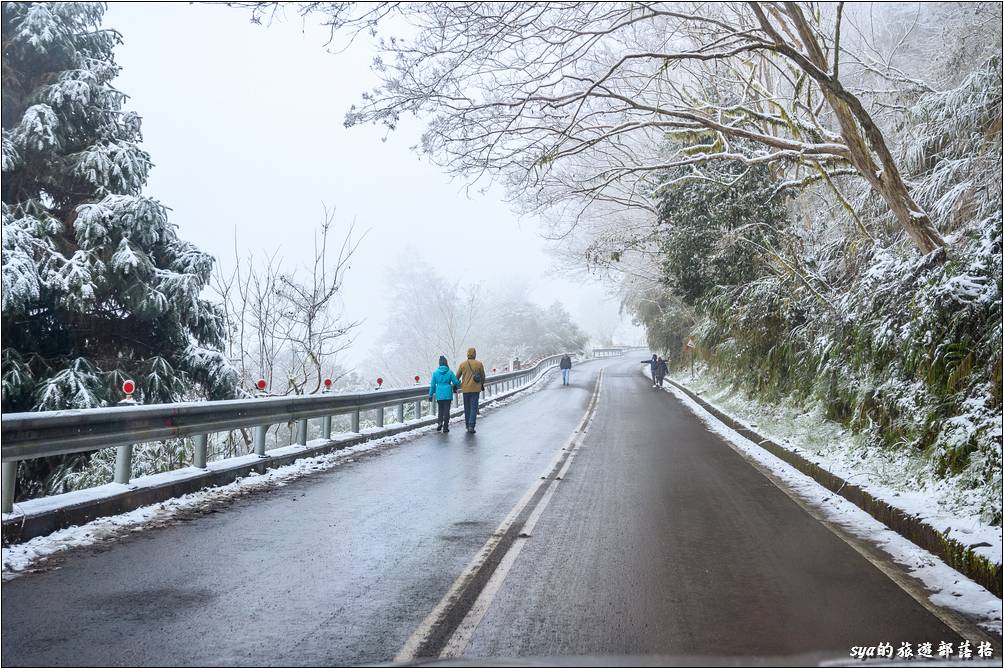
(471, 408)
(564, 376)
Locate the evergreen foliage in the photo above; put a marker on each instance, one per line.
(97, 285)
(717, 229)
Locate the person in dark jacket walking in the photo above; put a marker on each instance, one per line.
(444, 384)
(652, 365)
(472, 381)
(661, 369)
(566, 367)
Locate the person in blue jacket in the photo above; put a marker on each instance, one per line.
(444, 384)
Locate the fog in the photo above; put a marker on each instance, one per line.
(244, 125)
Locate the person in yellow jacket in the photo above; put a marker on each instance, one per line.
(472, 381)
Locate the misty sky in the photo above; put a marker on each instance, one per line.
(244, 125)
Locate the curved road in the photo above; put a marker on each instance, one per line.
(645, 535)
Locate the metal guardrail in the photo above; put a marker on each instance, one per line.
(614, 351)
(47, 433)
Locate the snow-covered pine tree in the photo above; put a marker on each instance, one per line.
(97, 285)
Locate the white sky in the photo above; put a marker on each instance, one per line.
(244, 125)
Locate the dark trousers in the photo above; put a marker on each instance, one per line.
(444, 412)
(471, 408)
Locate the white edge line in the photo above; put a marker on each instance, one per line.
(458, 642)
(421, 633)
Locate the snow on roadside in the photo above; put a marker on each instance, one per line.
(903, 479)
(20, 557)
(950, 589)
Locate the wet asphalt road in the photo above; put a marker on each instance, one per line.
(660, 541)
(663, 541)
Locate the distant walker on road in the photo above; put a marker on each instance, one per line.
(566, 368)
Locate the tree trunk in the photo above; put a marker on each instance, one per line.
(886, 180)
(865, 147)
(914, 220)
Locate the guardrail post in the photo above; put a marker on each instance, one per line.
(379, 416)
(260, 431)
(418, 409)
(9, 481)
(301, 432)
(123, 463)
(123, 454)
(354, 420)
(400, 412)
(326, 420)
(201, 442)
(259, 440)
